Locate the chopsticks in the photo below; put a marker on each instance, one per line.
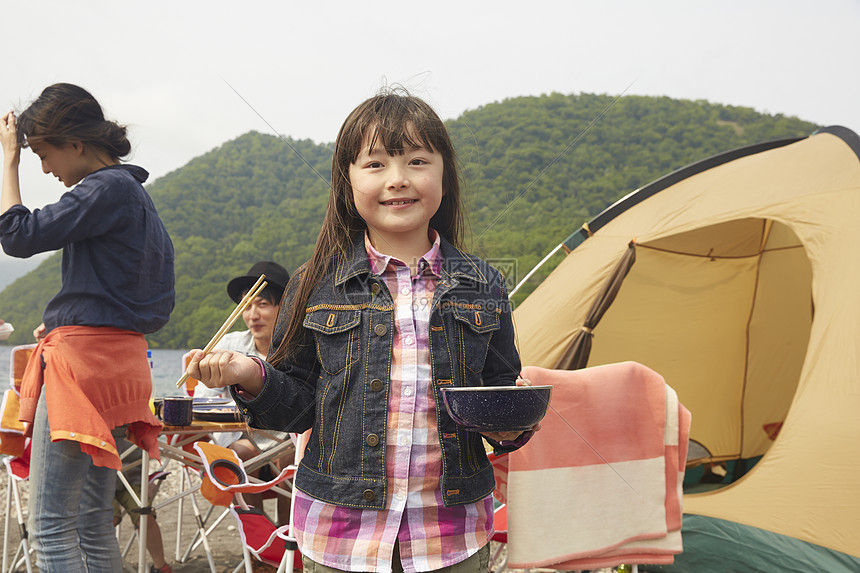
(240, 308)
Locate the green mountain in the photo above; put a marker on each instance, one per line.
(534, 169)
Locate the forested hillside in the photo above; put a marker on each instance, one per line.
(534, 169)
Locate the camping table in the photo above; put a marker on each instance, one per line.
(188, 435)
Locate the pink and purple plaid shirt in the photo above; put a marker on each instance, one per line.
(431, 536)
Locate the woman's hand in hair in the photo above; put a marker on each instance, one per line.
(10, 193)
(221, 368)
(9, 139)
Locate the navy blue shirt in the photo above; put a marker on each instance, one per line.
(117, 255)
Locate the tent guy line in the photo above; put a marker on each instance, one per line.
(593, 449)
(275, 131)
(282, 138)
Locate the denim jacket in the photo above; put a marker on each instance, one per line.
(338, 382)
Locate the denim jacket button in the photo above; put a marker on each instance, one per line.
(380, 329)
(375, 288)
(368, 495)
(376, 384)
(372, 440)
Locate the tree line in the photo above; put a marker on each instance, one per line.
(534, 169)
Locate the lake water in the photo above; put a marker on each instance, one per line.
(166, 370)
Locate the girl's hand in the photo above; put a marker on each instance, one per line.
(221, 368)
(502, 436)
(509, 437)
(9, 138)
(39, 332)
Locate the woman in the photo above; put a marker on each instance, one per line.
(89, 373)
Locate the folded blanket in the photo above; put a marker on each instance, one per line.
(600, 484)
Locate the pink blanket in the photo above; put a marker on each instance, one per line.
(600, 484)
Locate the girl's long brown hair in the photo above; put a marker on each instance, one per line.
(400, 122)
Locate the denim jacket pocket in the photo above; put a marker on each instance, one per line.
(476, 326)
(337, 336)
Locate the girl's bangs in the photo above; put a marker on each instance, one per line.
(398, 124)
(399, 139)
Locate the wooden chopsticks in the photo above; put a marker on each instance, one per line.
(240, 308)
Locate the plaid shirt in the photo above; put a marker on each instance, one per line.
(431, 536)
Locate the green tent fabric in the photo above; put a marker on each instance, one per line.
(718, 546)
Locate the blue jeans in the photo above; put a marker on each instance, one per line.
(71, 514)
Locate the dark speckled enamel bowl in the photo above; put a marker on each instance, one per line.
(497, 408)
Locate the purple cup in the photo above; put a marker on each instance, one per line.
(176, 411)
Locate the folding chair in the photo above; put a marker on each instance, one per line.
(15, 448)
(131, 458)
(226, 480)
(12, 440)
(17, 470)
(19, 356)
(188, 488)
(186, 481)
(186, 477)
(266, 542)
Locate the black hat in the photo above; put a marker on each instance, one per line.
(277, 278)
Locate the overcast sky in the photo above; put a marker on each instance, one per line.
(165, 68)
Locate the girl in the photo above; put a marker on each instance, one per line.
(387, 312)
(89, 374)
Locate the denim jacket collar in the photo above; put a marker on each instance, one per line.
(456, 264)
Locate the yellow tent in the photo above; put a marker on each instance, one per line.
(745, 296)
